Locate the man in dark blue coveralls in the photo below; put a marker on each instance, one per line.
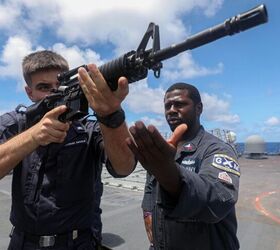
(56, 164)
(192, 180)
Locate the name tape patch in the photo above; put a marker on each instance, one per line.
(226, 163)
(82, 141)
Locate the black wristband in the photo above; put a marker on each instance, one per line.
(113, 120)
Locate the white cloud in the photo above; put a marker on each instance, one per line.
(211, 9)
(76, 56)
(183, 66)
(11, 57)
(91, 21)
(272, 121)
(9, 12)
(86, 22)
(142, 99)
(18, 47)
(215, 109)
(13, 52)
(158, 121)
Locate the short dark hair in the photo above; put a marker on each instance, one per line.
(42, 60)
(193, 92)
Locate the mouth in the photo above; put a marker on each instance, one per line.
(174, 120)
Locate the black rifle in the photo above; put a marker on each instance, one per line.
(134, 65)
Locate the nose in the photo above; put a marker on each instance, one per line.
(171, 110)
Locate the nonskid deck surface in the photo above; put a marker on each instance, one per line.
(258, 207)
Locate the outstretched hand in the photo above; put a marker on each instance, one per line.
(156, 154)
(101, 98)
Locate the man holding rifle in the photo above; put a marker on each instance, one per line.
(55, 164)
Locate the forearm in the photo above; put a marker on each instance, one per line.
(201, 199)
(169, 179)
(119, 154)
(14, 150)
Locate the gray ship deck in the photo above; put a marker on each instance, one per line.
(258, 208)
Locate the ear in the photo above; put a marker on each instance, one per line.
(199, 108)
(28, 91)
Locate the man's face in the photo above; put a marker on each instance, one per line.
(42, 82)
(179, 109)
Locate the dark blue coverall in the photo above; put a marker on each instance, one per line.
(203, 217)
(55, 196)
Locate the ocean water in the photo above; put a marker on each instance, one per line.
(270, 147)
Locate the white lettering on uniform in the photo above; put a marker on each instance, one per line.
(188, 162)
(226, 163)
(219, 160)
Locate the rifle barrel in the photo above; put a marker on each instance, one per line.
(230, 26)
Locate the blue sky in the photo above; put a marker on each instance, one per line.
(238, 76)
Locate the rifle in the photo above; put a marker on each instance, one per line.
(134, 65)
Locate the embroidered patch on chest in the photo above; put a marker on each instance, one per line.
(226, 163)
(189, 164)
(188, 147)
